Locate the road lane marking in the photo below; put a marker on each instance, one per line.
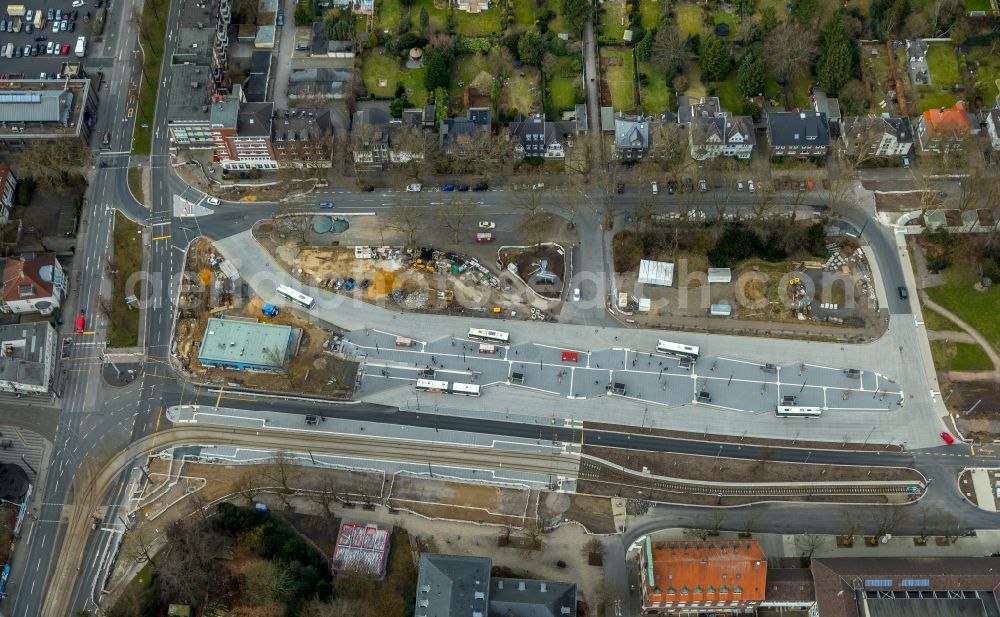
(167, 237)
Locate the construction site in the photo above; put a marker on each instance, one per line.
(218, 292)
(424, 279)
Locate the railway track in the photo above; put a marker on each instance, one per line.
(592, 469)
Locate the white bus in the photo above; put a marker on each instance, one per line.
(295, 296)
(432, 385)
(465, 389)
(677, 350)
(490, 336)
(792, 411)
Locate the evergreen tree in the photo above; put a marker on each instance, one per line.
(576, 13)
(438, 61)
(751, 75)
(714, 61)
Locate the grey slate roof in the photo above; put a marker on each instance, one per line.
(803, 128)
(631, 133)
(452, 586)
(691, 107)
(32, 105)
(582, 120)
(476, 120)
(528, 598)
(224, 113)
(25, 365)
(899, 126)
(188, 98)
(254, 120)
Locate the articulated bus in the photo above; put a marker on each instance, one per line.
(677, 350)
(432, 385)
(295, 296)
(789, 411)
(490, 336)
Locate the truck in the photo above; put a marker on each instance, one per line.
(9, 50)
(15, 10)
(17, 24)
(39, 21)
(269, 310)
(81, 46)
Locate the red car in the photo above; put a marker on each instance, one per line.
(946, 436)
(570, 356)
(81, 323)
(65, 49)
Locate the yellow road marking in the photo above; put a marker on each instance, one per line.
(219, 399)
(162, 237)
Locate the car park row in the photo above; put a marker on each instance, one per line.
(19, 20)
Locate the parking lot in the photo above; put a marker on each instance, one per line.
(43, 44)
(713, 381)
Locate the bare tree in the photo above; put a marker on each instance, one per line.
(593, 546)
(668, 144)
(188, 570)
(454, 218)
(249, 486)
(668, 51)
(52, 162)
(283, 472)
(529, 201)
(406, 219)
(851, 525)
(532, 537)
(808, 544)
(266, 581)
(887, 518)
(786, 60)
(141, 548)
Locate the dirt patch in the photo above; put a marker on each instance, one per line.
(748, 440)
(983, 398)
(591, 511)
(709, 468)
(900, 202)
(211, 294)
(543, 268)
(661, 496)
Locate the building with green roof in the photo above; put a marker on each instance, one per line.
(247, 345)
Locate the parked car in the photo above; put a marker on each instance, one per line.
(481, 186)
(538, 186)
(63, 26)
(338, 284)
(448, 187)
(364, 283)
(27, 50)
(620, 188)
(55, 27)
(906, 163)
(72, 26)
(77, 4)
(703, 186)
(18, 52)
(750, 185)
(281, 19)
(48, 48)
(58, 15)
(653, 187)
(349, 284)
(463, 187)
(946, 436)
(368, 188)
(65, 49)
(671, 187)
(802, 186)
(739, 185)
(413, 188)
(213, 201)
(326, 205)
(487, 225)
(576, 295)
(41, 38)
(50, 15)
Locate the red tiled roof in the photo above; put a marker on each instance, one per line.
(948, 120)
(711, 571)
(18, 273)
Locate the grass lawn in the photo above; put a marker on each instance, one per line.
(978, 309)
(521, 91)
(943, 65)
(464, 72)
(949, 356)
(977, 5)
(135, 184)
(932, 98)
(526, 12)
(152, 47)
(938, 322)
(689, 18)
(655, 95)
(612, 19)
(693, 74)
(989, 71)
(480, 24)
(729, 94)
(562, 86)
(123, 322)
(390, 12)
(777, 5)
(649, 12)
(378, 67)
(800, 93)
(413, 81)
(621, 80)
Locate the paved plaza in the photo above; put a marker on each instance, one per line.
(752, 386)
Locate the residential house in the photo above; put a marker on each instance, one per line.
(721, 135)
(798, 134)
(471, 6)
(28, 357)
(370, 138)
(690, 107)
(535, 137)
(35, 285)
(916, 59)
(303, 138)
(455, 133)
(724, 577)
(992, 127)
(885, 135)
(461, 586)
(8, 191)
(250, 146)
(829, 105)
(631, 138)
(945, 129)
